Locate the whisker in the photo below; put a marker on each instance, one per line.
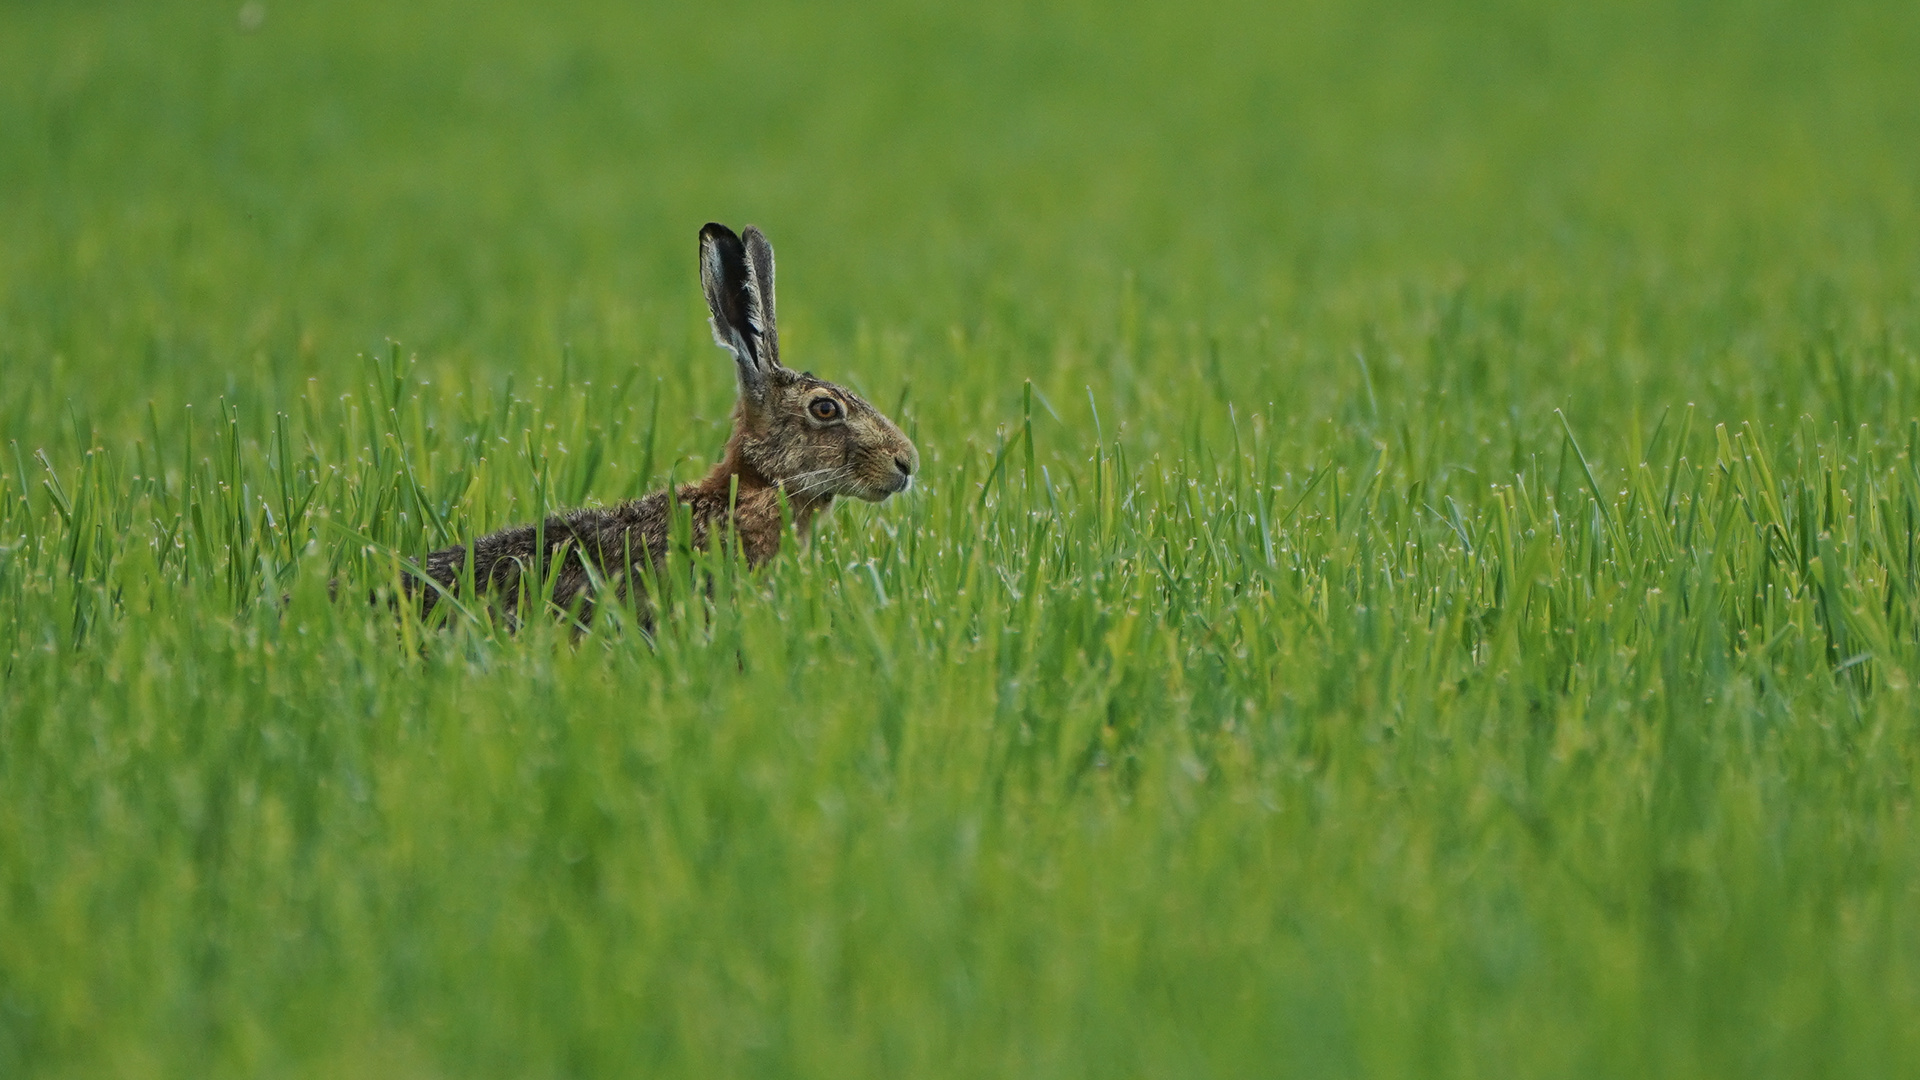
(828, 481)
(815, 481)
(802, 480)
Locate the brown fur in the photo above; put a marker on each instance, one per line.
(779, 446)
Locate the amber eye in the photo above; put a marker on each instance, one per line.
(824, 408)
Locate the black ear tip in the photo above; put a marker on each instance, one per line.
(714, 231)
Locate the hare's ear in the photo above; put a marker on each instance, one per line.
(742, 314)
(760, 286)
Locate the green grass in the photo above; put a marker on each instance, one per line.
(1416, 573)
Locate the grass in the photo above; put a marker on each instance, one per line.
(1416, 573)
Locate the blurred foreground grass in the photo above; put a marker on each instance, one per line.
(1416, 574)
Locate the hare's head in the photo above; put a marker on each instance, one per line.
(810, 436)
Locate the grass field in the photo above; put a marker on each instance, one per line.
(1416, 573)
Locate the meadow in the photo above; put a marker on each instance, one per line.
(1415, 571)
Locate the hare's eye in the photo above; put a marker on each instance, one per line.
(824, 408)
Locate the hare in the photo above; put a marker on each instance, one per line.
(794, 436)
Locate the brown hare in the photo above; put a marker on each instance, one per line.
(794, 435)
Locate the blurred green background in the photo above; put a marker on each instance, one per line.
(191, 208)
(1266, 681)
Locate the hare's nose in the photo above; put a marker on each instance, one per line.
(904, 464)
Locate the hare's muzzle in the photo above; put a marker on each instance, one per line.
(906, 462)
(888, 472)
